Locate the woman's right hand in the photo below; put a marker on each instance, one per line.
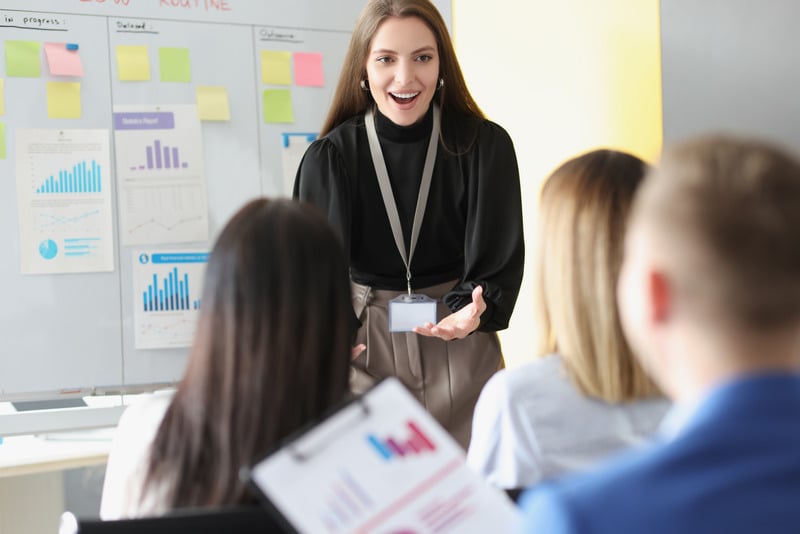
(357, 350)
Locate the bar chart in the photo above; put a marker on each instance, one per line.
(64, 201)
(167, 290)
(84, 177)
(161, 177)
(161, 156)
(390, 447)
(171, 293)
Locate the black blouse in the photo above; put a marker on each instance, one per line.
(472, 229)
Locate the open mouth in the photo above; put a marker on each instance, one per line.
(404, 98)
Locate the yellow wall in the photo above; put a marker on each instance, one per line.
(563, 77)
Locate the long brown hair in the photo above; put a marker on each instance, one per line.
(582, 219)
(270, 354)
(350, 100)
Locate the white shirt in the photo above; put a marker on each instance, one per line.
(128, 459)
(531, 424)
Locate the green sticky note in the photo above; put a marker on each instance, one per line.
(133, 64)
(22, 59)
(278, 106)
(212, 103)
(64, 100)
(173, 65)
(2, 140)
(276, 67)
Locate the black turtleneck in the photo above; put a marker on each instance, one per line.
(472, 230)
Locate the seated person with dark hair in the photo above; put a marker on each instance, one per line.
(271, 354)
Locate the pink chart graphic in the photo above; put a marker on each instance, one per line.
(390, 447)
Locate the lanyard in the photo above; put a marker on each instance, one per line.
(386, 188)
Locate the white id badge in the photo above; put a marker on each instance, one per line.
(408, 311)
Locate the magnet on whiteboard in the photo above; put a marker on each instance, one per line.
(72, 46)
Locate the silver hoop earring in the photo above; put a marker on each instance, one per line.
(364, 85)
(440, 84)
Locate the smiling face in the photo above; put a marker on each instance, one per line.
(403, 69)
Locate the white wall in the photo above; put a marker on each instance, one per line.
(563, 77)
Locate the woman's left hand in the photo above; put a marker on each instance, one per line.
(460, 324)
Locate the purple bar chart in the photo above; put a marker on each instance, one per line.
(161, 156)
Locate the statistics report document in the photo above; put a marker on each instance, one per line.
(161, 175)
(381, 464)
(64, 201)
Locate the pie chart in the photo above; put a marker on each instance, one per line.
(48, 249)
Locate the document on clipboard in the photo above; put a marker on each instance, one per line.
(380, 465)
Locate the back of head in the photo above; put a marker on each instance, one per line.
(728, 211)
(582, 218)
(350, 100)
(271, 351)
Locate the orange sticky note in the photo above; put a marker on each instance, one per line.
(63, 62)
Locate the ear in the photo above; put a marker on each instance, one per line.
(660, 297)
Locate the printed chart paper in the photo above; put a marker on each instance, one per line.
(294, 148)
(161, 177)
(166, 297)
(64, 201)
(381, 465)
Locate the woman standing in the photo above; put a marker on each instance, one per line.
(424, 194)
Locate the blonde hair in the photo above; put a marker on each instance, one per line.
(350, 100)
(582, 220)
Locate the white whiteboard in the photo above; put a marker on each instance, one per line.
(67, 332)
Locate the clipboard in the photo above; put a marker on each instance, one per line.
(380, 464)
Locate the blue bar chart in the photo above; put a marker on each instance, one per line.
(84, 177)
(64, 201)
(171, 293)
(167, 289)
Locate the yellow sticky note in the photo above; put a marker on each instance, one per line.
(64, 100)
(133, 63)
(212, 103)
(2, 140)
(276, 68)
(278, 106)
(173, 65)
(22, 59)
(2, 97)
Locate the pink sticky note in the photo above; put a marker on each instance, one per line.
(63, 62)
(308, 69)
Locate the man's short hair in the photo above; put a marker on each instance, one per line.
(730, 209)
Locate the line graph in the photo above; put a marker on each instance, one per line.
(48, 220)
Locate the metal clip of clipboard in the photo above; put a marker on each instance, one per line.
(326, 434)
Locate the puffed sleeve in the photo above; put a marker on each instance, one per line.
(494, 248)
(322, 180)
